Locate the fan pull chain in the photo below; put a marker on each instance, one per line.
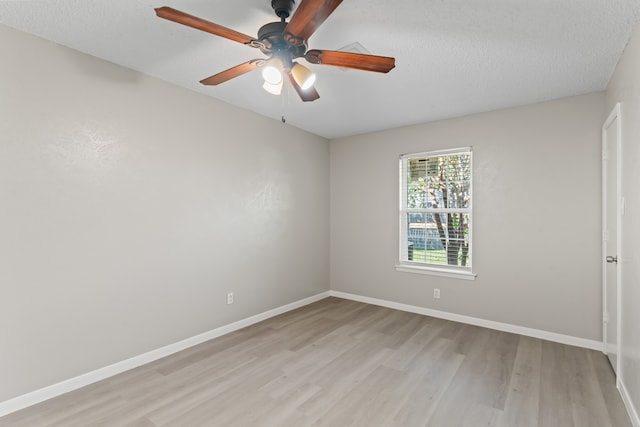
(284, 90)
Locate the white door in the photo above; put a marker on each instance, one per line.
(612, 205)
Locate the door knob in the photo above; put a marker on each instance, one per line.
(612, 259)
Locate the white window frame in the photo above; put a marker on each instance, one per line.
(417, 267)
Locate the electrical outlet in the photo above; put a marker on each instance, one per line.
(436, 293)
(230, 298)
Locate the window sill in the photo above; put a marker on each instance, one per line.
(464, 275)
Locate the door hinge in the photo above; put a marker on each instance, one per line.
(605, 317)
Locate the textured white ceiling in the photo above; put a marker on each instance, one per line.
(453, 57)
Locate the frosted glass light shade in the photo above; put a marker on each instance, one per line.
(272, 72)
(274, 89)
(303, 76)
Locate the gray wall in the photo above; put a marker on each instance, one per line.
(624, 87)
(130, 207)
(536, 217)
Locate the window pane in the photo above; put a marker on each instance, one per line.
(417, 183)
(436, 189)
(440, 239)
(449, 181)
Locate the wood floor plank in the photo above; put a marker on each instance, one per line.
(373, 401)
(521, 406)
(606, 378)
(481, 415)
(233, 387)
(338, 378)
(589, 409)
(407, 352)
(432, 372)
(342, 363)
(283, 408)
(310, 360)
(555, 407)
(502, 348)
(469, 385)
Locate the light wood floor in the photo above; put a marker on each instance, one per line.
(342, 363)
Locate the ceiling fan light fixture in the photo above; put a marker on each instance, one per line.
(282, 42)
(272, 71)
(274, 89)
(303, 76)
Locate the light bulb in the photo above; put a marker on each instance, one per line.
(272, 72)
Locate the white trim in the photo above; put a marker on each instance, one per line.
(605, 238)
(498, 326)
(438, 210)
(628, 404)
(614, 116)
(37, 396)
(402, 247)
(620, 254)
(437, 152)
(462, 274)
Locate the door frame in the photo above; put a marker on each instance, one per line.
(614, 116)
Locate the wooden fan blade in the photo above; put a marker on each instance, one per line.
(307, 18)
(232, 72)
(358, 61)
(307, 95)
(204, 25)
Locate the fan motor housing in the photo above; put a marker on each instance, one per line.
(272, 37)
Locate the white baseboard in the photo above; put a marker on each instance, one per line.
(628, 403)
(83, 380)
(505, 327)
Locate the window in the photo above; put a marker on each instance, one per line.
(435, 213)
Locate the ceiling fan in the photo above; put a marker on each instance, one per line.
(284, 42)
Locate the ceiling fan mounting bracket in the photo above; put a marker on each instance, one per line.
(282, 8)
